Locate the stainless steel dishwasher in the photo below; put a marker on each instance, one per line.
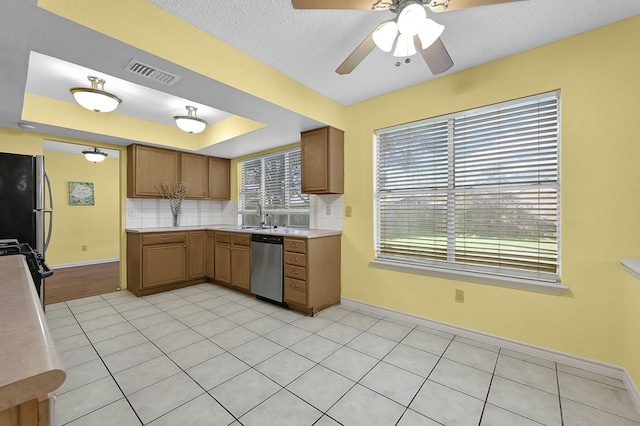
(267, 268)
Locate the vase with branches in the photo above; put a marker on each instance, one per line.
(175, 194)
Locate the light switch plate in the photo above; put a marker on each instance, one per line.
(347, 211)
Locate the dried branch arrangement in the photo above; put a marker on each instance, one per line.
(175, 194)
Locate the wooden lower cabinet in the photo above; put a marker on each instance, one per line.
(312, 273)
(241, 261)
(209, 253)
(233, 260)
(196, 246)
(161, 261)
(223, 257)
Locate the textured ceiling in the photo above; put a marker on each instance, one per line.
(308, 45)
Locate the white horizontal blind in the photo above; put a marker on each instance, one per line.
(474, 191)
(273, 180)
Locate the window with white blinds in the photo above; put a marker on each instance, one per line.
(475, 191)
(274, 181)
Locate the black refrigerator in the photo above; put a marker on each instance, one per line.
(25, 199)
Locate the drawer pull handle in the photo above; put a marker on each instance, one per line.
(293, 259)
(294, 272)
(293, 285)
(164, 238)
(294, 245)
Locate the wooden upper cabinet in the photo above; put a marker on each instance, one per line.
(194, 171)
(322, 153)
(148, 167)
(219, 179)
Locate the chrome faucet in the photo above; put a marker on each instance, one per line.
(261, 215)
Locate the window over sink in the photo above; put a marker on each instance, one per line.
(473, 195)
(273, 181)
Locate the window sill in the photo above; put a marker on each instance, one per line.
(521, 284)
(632, 266)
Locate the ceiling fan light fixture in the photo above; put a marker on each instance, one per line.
(95, 156)
(411, 19)
(404, 46)
(95, 98)
(190, 123)
(385, 35)
(429, 32)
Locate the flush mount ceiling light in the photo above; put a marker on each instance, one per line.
(190, 123)
(94, 156)
(94, 98)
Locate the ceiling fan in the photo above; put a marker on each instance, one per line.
(409, 29)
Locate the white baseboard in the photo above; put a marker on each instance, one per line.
(575, 361)
(87, 263)
(634, 393)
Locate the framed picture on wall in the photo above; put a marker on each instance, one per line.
(81, 194)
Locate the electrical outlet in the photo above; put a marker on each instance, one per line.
(328, 211)
(84, 248)
(459, 296)
(347, 211)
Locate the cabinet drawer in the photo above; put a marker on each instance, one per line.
(294, 272)
(223, 237)
(299, 246)
(241, 239)
(169, 237)
(293, 258)
(295, 291)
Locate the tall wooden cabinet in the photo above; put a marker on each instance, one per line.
(322, 153)
(148, 167)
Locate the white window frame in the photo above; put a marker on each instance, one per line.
(288, 208)
(447, 267)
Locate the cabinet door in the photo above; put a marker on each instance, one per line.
(223, 263)
(196, 254)
(322, 160)
(219, 179)
(194, 170)
(149, 167)
(241, 267)
(209, 255)
(164, 264)
(314, 160)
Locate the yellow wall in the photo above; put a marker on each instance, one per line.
(97, 226)
(597, 73)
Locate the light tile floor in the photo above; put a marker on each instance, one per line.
(206, 355)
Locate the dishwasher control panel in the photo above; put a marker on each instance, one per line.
(269, 239)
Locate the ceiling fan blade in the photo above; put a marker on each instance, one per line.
(436, 56)
(357, 55)
(335, 4)
(437, 5)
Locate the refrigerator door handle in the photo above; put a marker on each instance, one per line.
(49, 210)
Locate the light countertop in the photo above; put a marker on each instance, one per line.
(286, 232)
(29, 363)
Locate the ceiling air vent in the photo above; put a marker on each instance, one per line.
(152, 73)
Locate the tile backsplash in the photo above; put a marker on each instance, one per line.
(325, 212)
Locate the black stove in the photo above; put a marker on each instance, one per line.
(35, 261)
